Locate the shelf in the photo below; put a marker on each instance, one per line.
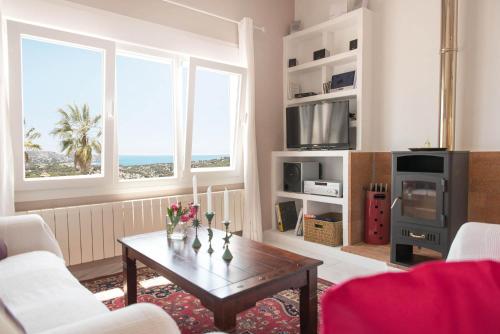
(341, 58)
(309, 197)
(313, 154)
(341, 22)
(324, 97)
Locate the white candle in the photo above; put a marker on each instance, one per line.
(209, 199)
(195, 190)
(226, 205)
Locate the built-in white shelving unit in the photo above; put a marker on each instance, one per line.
(333, 35)
(334, 167)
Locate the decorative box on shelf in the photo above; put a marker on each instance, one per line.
(324, 229)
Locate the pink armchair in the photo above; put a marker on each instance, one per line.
(438, 297)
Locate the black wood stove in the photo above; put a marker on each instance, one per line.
(429, 201)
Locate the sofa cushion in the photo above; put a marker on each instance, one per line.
(3, 249)
(459, 297)
(41, 292)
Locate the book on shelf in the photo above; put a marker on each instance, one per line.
(298, 225)
(286, 216)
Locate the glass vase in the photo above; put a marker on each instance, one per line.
(176, 230)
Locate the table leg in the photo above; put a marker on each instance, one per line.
(129, 277)
(309, 303)
(225, 319)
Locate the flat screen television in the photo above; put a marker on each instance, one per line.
(318, 126)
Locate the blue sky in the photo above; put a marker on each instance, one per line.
(57, 75)
(144, 107)
(211, 128)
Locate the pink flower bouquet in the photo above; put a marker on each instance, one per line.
(176, 213)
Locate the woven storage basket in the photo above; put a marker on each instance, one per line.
(322, 231)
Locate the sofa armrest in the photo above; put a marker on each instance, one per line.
(27, 233)
(476, 241)
(142, 318)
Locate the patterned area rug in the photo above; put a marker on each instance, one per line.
(278, 314)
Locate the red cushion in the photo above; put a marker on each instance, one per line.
(437, 297)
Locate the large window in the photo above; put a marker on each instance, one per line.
(103, 116)
(215, 108)
(144, 100)
(62, 97)
(215, 92)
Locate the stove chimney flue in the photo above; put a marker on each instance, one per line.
(448, 73)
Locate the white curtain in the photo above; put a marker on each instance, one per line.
(6, 160)
(252, 225)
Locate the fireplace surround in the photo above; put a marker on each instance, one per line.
(429, 201)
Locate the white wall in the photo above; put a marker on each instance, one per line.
(406, 71)
(478, 89)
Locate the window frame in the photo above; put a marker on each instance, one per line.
(236, 164)
(153, 55)
(15, 32)
(108, 182)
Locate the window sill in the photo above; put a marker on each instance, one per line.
(26, 201)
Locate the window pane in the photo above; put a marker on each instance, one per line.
(215, 107)
(145, 118)
(63, 89)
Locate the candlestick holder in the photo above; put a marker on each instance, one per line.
(227, 256)
(196, 224)
(210, 216)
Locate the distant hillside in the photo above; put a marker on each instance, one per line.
(47, 164)
(47, 157)
(50, 157)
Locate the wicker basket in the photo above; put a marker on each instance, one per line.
(322, 231)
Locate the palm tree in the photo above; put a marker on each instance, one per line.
(79, 134)
(29, 142)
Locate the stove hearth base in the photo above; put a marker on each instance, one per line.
(409, 255)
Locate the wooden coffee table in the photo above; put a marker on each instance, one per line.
(257, 271)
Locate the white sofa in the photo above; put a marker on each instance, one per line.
(476, 241)
(41, 293)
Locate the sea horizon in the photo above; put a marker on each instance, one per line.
(126, 159)
(137, 160)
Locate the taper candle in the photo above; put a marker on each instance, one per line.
(195, 190)
(209, 199)
(226, 205)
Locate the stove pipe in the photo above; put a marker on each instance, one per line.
(449, 19)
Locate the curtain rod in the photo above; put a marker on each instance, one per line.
(175, 3)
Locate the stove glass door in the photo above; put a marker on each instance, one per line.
(419, 200)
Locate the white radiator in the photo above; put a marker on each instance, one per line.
(90, 232)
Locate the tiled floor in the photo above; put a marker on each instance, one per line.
(338, 266)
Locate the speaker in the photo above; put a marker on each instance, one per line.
(295, 173)
(353, 45)
(320, 54)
